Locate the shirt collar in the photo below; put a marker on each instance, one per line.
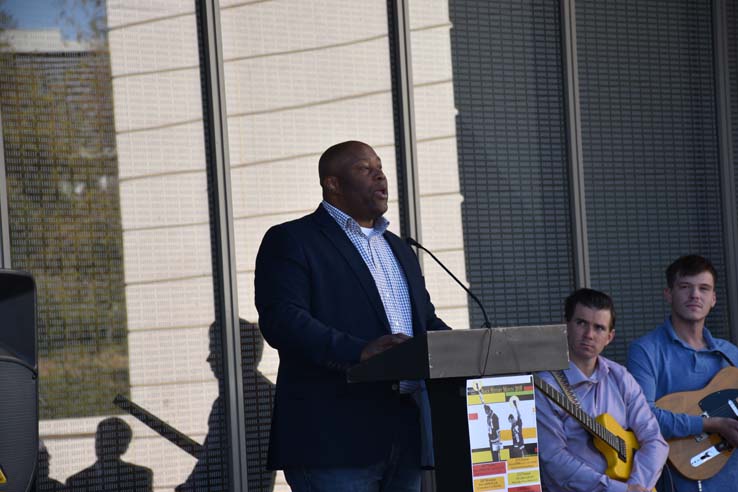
(671, 333)
(576, 376)
(347, 223)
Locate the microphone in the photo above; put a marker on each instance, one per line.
(412, 242)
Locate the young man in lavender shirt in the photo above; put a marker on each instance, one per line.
(569, 460)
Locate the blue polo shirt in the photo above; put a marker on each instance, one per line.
(662, 364)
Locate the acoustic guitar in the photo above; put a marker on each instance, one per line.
(701, 457)
(616, 444)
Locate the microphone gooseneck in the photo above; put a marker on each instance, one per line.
(412, 242)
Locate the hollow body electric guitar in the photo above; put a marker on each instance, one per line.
(701, 457)
(616, 444)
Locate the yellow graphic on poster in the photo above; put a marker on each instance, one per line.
(503, 440)
(489, 483)
(525, 477)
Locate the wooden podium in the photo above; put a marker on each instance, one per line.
(445, 360)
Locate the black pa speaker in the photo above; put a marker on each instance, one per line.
(18, 381)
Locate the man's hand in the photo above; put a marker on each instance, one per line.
(381, 344)
(634, 487)
(728, 428)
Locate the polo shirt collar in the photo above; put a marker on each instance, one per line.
(671, 333)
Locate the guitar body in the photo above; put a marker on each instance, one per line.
(616, 444)
(722, 389)
(616, 468)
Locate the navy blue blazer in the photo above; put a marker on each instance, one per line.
(318, 306)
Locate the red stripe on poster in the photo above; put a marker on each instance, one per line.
(489, 469)
(525, 488)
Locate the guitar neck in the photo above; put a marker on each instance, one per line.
(586, 420)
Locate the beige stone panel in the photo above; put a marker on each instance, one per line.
(123, 12)
(311, 130)
(53, 429)
(438, 168)
(165, 150)
(274, 27)
(174, 303)
(168, 356)
(185, 406)
(435, 112)
(250, 231)
(444, 292)
(158, 201)
(263, 84)
(289, 185)
(275, 188)
(170, 464)
(157, 99)
(246, 306)
(280, 484)
(166, 44)
(431, 52)
(269, 363)
(456, 318)
(71, 444)
(167, 253)
(425, 13)
(68, 455)
(441, 222)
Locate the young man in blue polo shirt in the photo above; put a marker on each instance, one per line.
(682, 355)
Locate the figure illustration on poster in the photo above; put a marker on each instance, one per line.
(503, 458)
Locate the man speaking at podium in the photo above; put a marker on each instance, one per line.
(334, 288)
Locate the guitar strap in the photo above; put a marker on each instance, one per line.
(563, 381)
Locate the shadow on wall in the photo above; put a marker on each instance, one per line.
(210, 472)
(111, 474)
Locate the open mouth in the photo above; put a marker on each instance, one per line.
(381, 193)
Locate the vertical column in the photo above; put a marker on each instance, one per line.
(221, 220)
(402, 98)
(4, 220)
(574, 143)
(725, 153)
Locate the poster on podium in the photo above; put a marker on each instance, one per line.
(502, 434)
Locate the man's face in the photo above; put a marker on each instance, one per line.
(588, 333)
(361, 186)
(692, 297)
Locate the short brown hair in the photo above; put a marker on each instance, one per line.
(687, 266)
(593, 299)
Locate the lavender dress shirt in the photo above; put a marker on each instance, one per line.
(569, 460)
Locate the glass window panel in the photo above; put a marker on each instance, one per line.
(510, 136)
(438, 163)
(103, 140)
(650, 152)
(300, 77)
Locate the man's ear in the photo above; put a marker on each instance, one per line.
(667, 295)
(330, 183)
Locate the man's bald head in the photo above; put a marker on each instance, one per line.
(353, 181)
(336, 157)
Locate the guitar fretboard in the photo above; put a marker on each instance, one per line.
(586, 420)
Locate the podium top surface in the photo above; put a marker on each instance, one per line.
(469, 353)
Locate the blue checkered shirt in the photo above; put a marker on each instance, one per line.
(386, 272)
